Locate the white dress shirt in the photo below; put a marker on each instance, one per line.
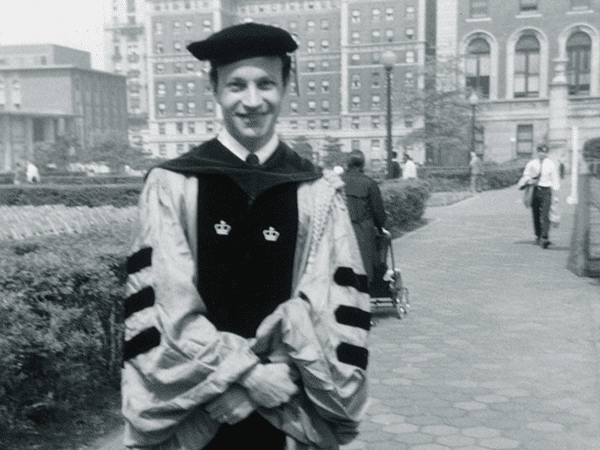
(548, 173)
(242, 152)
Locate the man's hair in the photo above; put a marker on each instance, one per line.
(286, 69)
(542, 148)
(356, 159)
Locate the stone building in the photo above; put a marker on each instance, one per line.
(47, 91)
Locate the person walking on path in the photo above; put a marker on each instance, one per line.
(541, 172)
(366, 210)
(476, 170)
(244, 258)
(409, 170)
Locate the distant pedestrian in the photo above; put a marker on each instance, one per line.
(541, 172)
(396, 171)
(476, 170)
(366, 209)
(410, 168)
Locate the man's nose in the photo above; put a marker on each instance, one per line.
(252, 99)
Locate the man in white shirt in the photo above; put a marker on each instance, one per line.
(410, 168)
(543, 174)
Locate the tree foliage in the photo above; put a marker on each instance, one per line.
(116, 152)
(59, 153)
(301, 146)
(332, 153)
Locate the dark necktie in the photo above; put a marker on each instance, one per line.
(252, 159)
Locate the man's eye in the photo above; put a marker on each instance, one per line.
(235, 87)
(267, 84)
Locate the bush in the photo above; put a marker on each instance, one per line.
(60, 321)
(116, 195)
(7, 178)
(93, 180)
(404, 202)
(591, 149)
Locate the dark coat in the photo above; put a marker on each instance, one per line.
(367, 214)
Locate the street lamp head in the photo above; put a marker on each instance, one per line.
(473, 98)
(388, 59)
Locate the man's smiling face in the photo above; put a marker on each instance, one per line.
(250, 92)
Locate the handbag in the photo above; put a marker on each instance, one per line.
(528, 195)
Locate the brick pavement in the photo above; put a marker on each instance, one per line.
(500, 348)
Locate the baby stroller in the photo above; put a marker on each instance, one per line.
(387, 288)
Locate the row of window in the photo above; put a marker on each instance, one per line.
(183, 108)
(377, 14)
(359, 58)
(356, 83)
(181, 88)
(179, 26)
(180, 5)
(179, 67)
(377, 36)
(526, 75)
(186, 127)
(480, 8)
(292, 5)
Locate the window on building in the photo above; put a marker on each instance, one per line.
(162, 129)
(162, 149)
(209, 106)
(310, 47)
(311, 66)
(409, 13)
(375, 79)
(311, 86)
(579, 48)
(375, 101)
(293, 87)
(355, 36)
(159, 68)
(312, 124)
(410, 33)
(524, 139)
(312, 106)
(325, 105)
(479, 8)
(389, 14)
(356, 102)
(161, 89)
(389, 35)
(324, 45)
(356, 58)
(527, 67)
(355, 18)
(409, 80)
(158, 28)
(375, 36)
(179, 88)
(209, 126)
(355, 123)
(477, 67)
(179, 108)
(189, 25)
(324, 24)
(206, 25)
(161, 109)
(325, 124)
(529, 5)
(375, 57)
(294, 124)
(180, 149)
(177, 68)
(355, 83)
(189, 67)
(191, 88)
(376, 15)
(176, 26)
(325, 64)
(410, 57)
(159, 48)
(375, 122)
(191, 108)
(325, 86)
(293, 25)
(177, 46)
(294, 106)
(179, 127)
(191, 126)
(580, 4)
(310, 25)
(375, 146)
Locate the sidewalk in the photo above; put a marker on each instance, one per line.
(500, 348)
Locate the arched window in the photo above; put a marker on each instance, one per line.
(478, 66)
(579, 48)
(527, 67)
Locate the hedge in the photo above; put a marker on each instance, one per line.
(95, 180)
(121, 195)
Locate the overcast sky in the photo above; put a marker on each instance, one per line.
(72, 23)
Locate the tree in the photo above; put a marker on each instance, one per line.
(446, 112)
(301, 146)
(115, 151)
(332, 153)
(61, 152)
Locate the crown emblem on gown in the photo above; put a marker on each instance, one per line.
(271, 234)
(222, 228)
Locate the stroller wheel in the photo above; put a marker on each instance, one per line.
(401, 302)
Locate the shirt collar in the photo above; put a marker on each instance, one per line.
(263, 153)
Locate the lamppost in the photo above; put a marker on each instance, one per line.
(388, 59)
(473, 101)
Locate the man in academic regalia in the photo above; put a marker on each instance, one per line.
(247, 312)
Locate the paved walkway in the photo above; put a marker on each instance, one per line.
(500, 348)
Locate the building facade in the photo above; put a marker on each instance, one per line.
(48, 91)
(338, 88)
(536, 67)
